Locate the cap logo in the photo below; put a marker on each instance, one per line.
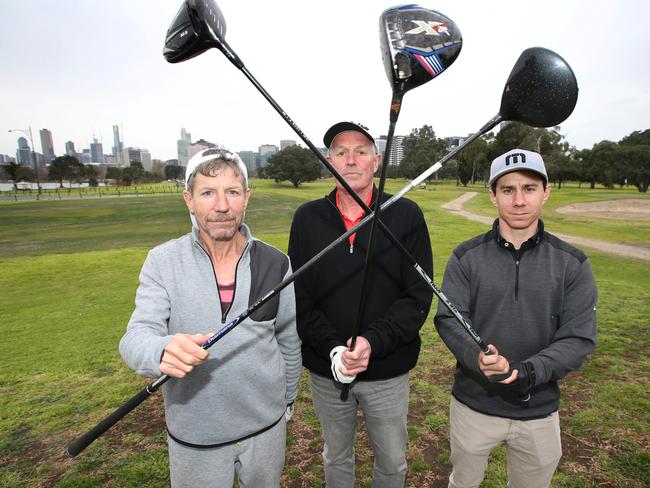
(514, 158)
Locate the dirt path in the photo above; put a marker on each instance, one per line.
(456, 206)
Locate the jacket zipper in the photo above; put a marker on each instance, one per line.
(343, 222)
(516, 280)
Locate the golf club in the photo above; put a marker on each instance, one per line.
(411, 57)
(558, 94)
(417, 45)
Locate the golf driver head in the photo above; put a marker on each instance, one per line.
(198, 26)
(417, 44)
(541, 90)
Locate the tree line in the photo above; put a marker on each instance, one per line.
(69, 168)
(626, 162)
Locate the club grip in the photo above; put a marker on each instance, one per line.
(79, 444)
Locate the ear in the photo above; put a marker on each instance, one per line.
(493, 197)
(547, 193)
(187, 196)
(377, 161)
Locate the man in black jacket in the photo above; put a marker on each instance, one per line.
(327, 299)
(533, 298)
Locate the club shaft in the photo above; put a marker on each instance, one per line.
(394, 114)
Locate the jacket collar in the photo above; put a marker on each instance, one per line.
(244, 229)
(528, 244)
(331, 197)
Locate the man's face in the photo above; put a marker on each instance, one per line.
(519, 197)
(218, 203)
(352, 155)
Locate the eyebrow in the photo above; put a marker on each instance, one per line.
(511, 187)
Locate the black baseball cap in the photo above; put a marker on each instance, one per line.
(336, 129)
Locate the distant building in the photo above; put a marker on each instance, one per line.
(251, 160)
(266, 151)
(171, 162)
(69, 149)
(24, 153)
(286, 143)
(135, 154)
(182, 146)
(47, 145)
(96, 151)
(110, 160)
(455, 141)
(118, 146)
(197, 146)
(396, 150)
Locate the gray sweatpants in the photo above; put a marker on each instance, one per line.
(385, 407)
(258, 462)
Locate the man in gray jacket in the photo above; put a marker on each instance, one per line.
(532, 297)
(226, 411)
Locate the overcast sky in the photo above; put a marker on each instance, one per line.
(78, 67)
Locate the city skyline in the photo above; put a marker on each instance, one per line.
(78, 68)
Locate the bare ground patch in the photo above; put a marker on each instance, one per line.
(626, 209)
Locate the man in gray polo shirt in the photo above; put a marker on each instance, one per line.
(532, 297)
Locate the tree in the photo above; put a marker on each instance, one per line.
(634, 161)
(295, 164)
(114, 173)
(634, 151)
(90, 172)
(64, 168)
(421, 149)
(472, 161)
(173, 172)
(13, 170)
(133, 173)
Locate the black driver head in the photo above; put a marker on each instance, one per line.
(417, 44)
(198, 26)
(541, 90)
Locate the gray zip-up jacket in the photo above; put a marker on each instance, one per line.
(537, 304)
(251, 374)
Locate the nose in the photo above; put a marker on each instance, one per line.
(221, 202)
(518, 197)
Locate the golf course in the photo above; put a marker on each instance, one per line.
(69, 272)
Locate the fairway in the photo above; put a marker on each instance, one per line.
(69, 274)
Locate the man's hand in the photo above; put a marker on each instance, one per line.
(288, 413)
(337, 365)
(496, 366)
(183, 353)
(355, 362)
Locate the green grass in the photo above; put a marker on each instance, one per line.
(69, 270)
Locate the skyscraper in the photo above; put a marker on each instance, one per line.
(96, 151)
(69, 149)
(24, 153)
(47, 145)
(182, 146)
(118, 146)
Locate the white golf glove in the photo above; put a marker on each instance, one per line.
(335, 355)
(288, 413)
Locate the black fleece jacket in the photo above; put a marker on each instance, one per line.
(327, 295)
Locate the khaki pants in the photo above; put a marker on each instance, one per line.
(533, 447)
